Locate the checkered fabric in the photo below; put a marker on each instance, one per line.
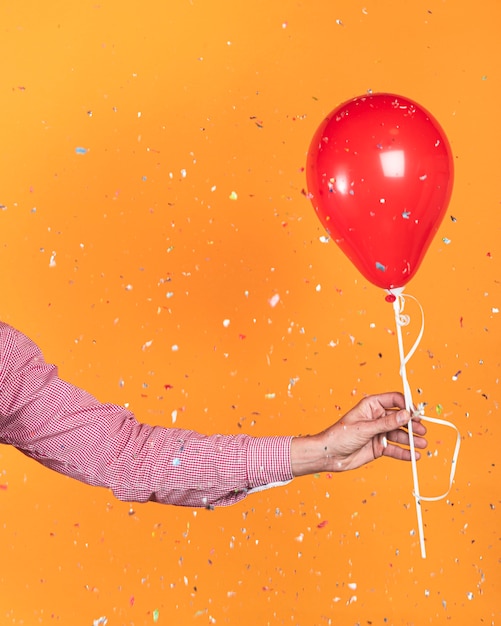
(68, 430)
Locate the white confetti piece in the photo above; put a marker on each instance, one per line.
(226, 323)
(274, 300)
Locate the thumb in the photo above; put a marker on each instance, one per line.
(390, 421)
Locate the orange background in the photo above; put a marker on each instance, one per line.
(187, 209)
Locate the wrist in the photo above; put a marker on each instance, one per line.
(309, 455)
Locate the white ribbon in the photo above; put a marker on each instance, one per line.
(403, 320)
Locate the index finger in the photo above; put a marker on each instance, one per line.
(391, 400)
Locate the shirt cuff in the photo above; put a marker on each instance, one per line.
(268, 462)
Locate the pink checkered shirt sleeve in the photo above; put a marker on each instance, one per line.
(68, 430)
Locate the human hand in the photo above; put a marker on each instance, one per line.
(373, 428)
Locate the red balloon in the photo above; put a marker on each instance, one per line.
(380, 177)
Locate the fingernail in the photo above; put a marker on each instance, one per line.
(385, 442)
(402, 417)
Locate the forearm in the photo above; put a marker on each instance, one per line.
(150, 463)
(65, 428)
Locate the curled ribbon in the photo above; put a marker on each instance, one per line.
(401, 320)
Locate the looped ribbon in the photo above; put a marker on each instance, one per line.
(402, 319)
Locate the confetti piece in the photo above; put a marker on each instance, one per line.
(274, 300)
(100, 621)
(233, 195)
(446, 240)
(226, 323)
(156, 615)
(380, 267)
(80, 150)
